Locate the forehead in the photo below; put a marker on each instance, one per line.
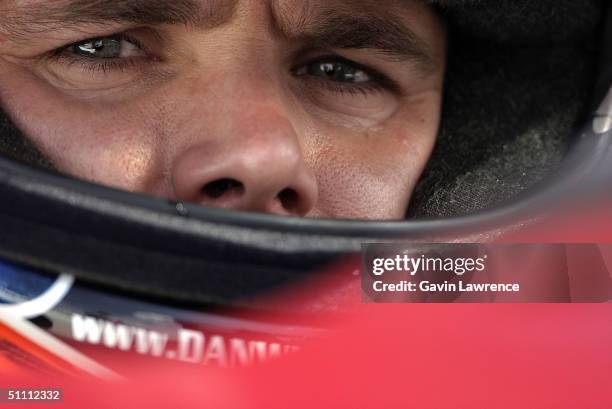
(289, 11)
(372, 5)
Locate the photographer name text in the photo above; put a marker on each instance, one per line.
(410, 266)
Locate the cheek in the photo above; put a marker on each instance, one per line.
(371, 174)
(366, 183)
(94, 141)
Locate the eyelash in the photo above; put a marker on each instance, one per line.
(350, 89)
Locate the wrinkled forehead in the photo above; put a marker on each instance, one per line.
(290, 15)
(206, 7)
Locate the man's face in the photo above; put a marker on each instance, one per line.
(319, 108)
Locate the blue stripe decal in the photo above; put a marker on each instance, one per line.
(18, 283)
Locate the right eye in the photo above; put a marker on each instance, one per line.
(107, 47)
(103, 62)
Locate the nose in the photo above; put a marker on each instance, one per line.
(259, 169)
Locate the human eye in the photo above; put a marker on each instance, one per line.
(107, 62)
(334, 71)
(339, 85)
(116, 46)
(343, 75)
(113, 52)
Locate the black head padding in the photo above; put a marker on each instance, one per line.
(520, 77)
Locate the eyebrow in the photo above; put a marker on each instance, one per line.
(340, 30)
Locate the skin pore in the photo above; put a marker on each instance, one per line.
(316, 108)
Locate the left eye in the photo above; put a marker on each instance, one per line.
(106, 47)
(336, 71)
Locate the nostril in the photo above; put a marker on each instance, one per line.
(222, 187)
(289, 198)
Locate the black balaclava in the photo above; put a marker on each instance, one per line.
(519, 81)
(14, 144)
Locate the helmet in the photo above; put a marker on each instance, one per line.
(527, 122)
